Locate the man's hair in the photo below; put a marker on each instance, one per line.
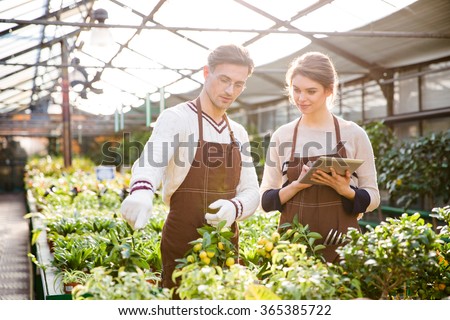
(232, 54)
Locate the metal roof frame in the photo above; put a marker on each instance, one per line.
(356, 64)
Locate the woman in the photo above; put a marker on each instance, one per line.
(334, 204)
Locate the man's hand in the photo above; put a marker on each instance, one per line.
(137, 208)
(227, 211)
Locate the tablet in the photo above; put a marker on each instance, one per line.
(339, 164)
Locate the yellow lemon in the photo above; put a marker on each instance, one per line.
(268, 246)
(262, 241)
(289, 232)
(229, 262)
(275, 236)
(262, 252)
(203, 255)
(220, 246)
(206, 260)
(197, 247)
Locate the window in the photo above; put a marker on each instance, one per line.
(406, 130)
(375, 104)
(436, 87)
(351, 103)
(435, 125)
(406, 93)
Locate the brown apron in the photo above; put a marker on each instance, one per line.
(320, 207)
(214, 174)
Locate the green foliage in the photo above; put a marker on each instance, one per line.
(69, 278)
(54, 166)
(382, 140)
(124, 286)
(260, 292)
(259, 225)
(296, 276)
(391, 257)
(295, 232)
(291, 233)
(74, 252)
(213, 247)
(418, 168)
(63, 226)
(110, 199)
(398, 259)
(442, 214)
(102, 242)
(86, 200)
(207, 283)
(441, 280)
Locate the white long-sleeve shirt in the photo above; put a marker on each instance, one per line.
(168, 154)
(314, 142)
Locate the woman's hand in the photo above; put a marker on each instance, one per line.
(339, 183)
(297, 184)
(294, 187)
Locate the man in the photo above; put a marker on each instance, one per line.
(195, 152)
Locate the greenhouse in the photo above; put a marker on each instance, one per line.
(100, 98)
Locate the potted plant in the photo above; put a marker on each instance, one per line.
(70, 279)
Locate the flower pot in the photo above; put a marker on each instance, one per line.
(68, 287)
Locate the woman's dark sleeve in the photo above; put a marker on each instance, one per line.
(270, 200)
(359, 204)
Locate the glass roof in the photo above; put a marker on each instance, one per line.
(159, 44)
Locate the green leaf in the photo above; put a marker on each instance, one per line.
(260, 292)
(221, 224)
(319, 247)
(314, 235)
(206, 239)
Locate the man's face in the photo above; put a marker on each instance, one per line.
(225, 83)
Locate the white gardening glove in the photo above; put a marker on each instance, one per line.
(137, 208)
(226, 212)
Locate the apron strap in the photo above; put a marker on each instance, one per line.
(200, 122)
(233, 140)
(294, 139)
(340, 146)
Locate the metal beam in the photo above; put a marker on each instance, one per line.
(372, 34)
(72, 6)
(421, 115)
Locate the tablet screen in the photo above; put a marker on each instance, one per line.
(339, 164)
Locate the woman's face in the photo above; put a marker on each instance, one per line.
(309, 96)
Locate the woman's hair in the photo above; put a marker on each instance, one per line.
(315, 66)
(233, 54)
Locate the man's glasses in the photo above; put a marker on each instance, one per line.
(226, 82)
